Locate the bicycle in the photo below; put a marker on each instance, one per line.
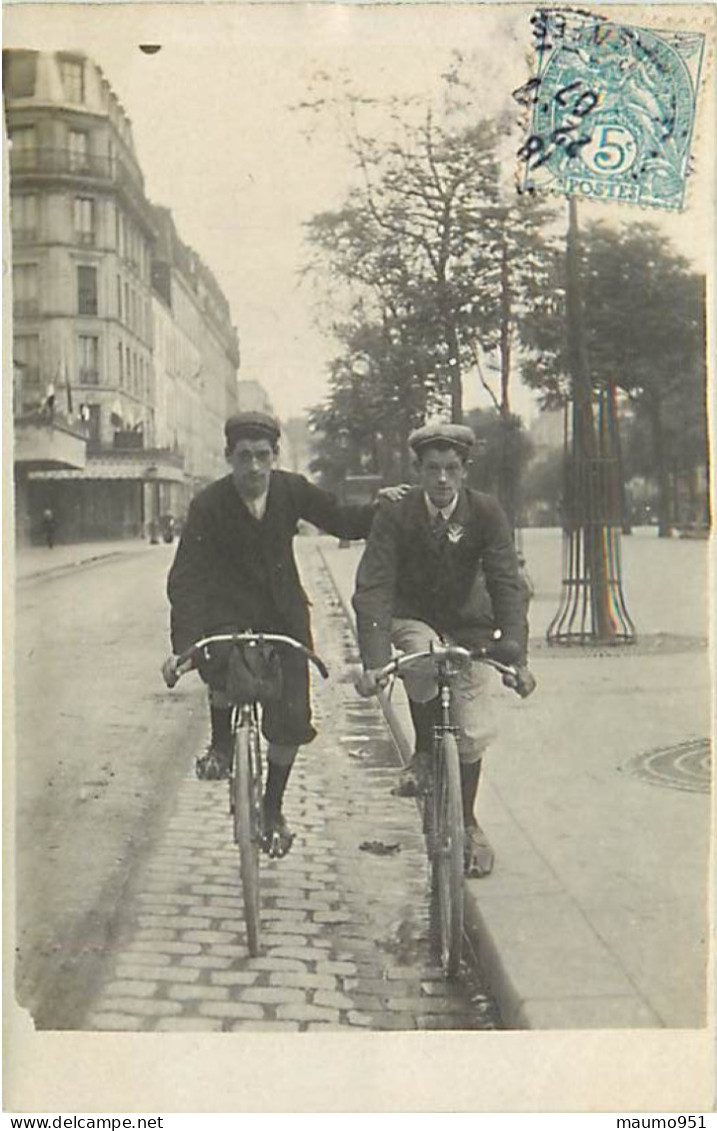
(245, 781)
(443, 807)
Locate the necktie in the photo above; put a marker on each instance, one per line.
(439, 526)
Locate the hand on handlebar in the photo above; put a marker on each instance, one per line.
(369, 683)
(523, 682)
(173, 670)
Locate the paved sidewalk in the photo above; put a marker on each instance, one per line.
(595, 799)
(37, 561)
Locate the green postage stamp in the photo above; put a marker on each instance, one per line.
(611, 109)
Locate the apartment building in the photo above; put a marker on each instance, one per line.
(85, 240)
(196, 358)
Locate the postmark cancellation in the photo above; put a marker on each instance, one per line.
(611, 109)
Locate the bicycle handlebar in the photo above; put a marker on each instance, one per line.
(443, 652)
(254, 638)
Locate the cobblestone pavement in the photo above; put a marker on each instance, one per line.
(346, 934)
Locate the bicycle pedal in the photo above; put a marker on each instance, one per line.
(276, 846)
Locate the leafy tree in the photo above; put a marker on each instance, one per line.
(503, 450)
(374, 400)
(644, 331)
(426, 245)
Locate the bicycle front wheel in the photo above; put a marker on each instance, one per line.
(447, 852)
(247, 801)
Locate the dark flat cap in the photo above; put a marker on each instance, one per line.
(252, 426)
(458, 436)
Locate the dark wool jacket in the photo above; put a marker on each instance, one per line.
(232, 571)
(466, 585)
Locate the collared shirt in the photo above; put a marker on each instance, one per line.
(434, 511)
(257, 507)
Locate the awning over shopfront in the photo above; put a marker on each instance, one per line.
(153, 465)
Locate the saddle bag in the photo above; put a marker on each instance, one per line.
(254, 674)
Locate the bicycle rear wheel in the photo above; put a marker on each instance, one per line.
(246, 791)
(447, 852)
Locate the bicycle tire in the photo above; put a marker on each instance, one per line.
(447, 852)
(247, 833)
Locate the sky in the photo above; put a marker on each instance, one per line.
(221, 146)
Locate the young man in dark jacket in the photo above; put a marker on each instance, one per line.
(234, 570)
(441, 562)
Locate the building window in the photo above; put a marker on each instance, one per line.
(23, 214)
(23, 154)
(72, 74)
(18, 73)
(126, 304)
(127, 369)
(88, 355)
(117, 229)
(26, 356)
(79, 142)
(84, 219)
(25, 292)
(119, 298)
(86, 290)
(120, 357)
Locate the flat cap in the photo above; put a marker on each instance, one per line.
(252, 426)
(458, 436)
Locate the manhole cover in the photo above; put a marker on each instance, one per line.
(684, 766)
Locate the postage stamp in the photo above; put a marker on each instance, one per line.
(611, 109)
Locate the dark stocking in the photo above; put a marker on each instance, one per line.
(424, 716)
(276, 781)
(221, 718)
(470, 776)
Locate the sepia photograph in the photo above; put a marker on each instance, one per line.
(357, 528)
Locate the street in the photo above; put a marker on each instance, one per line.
(129, 906)
(99, 748)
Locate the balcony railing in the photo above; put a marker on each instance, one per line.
(24, 235)
(41, 159)
(89, 376)
(44, 161)
(164, 457)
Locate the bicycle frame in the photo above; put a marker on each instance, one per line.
(442, 804)
(245, 783)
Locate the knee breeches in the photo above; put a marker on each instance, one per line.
(473, 712)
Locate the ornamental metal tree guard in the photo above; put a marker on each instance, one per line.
(592, 608)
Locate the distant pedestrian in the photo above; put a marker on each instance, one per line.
(49, 525)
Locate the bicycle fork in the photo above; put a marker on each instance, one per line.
(433, 798)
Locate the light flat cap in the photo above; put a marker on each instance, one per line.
(252, 426)
(458, 436)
